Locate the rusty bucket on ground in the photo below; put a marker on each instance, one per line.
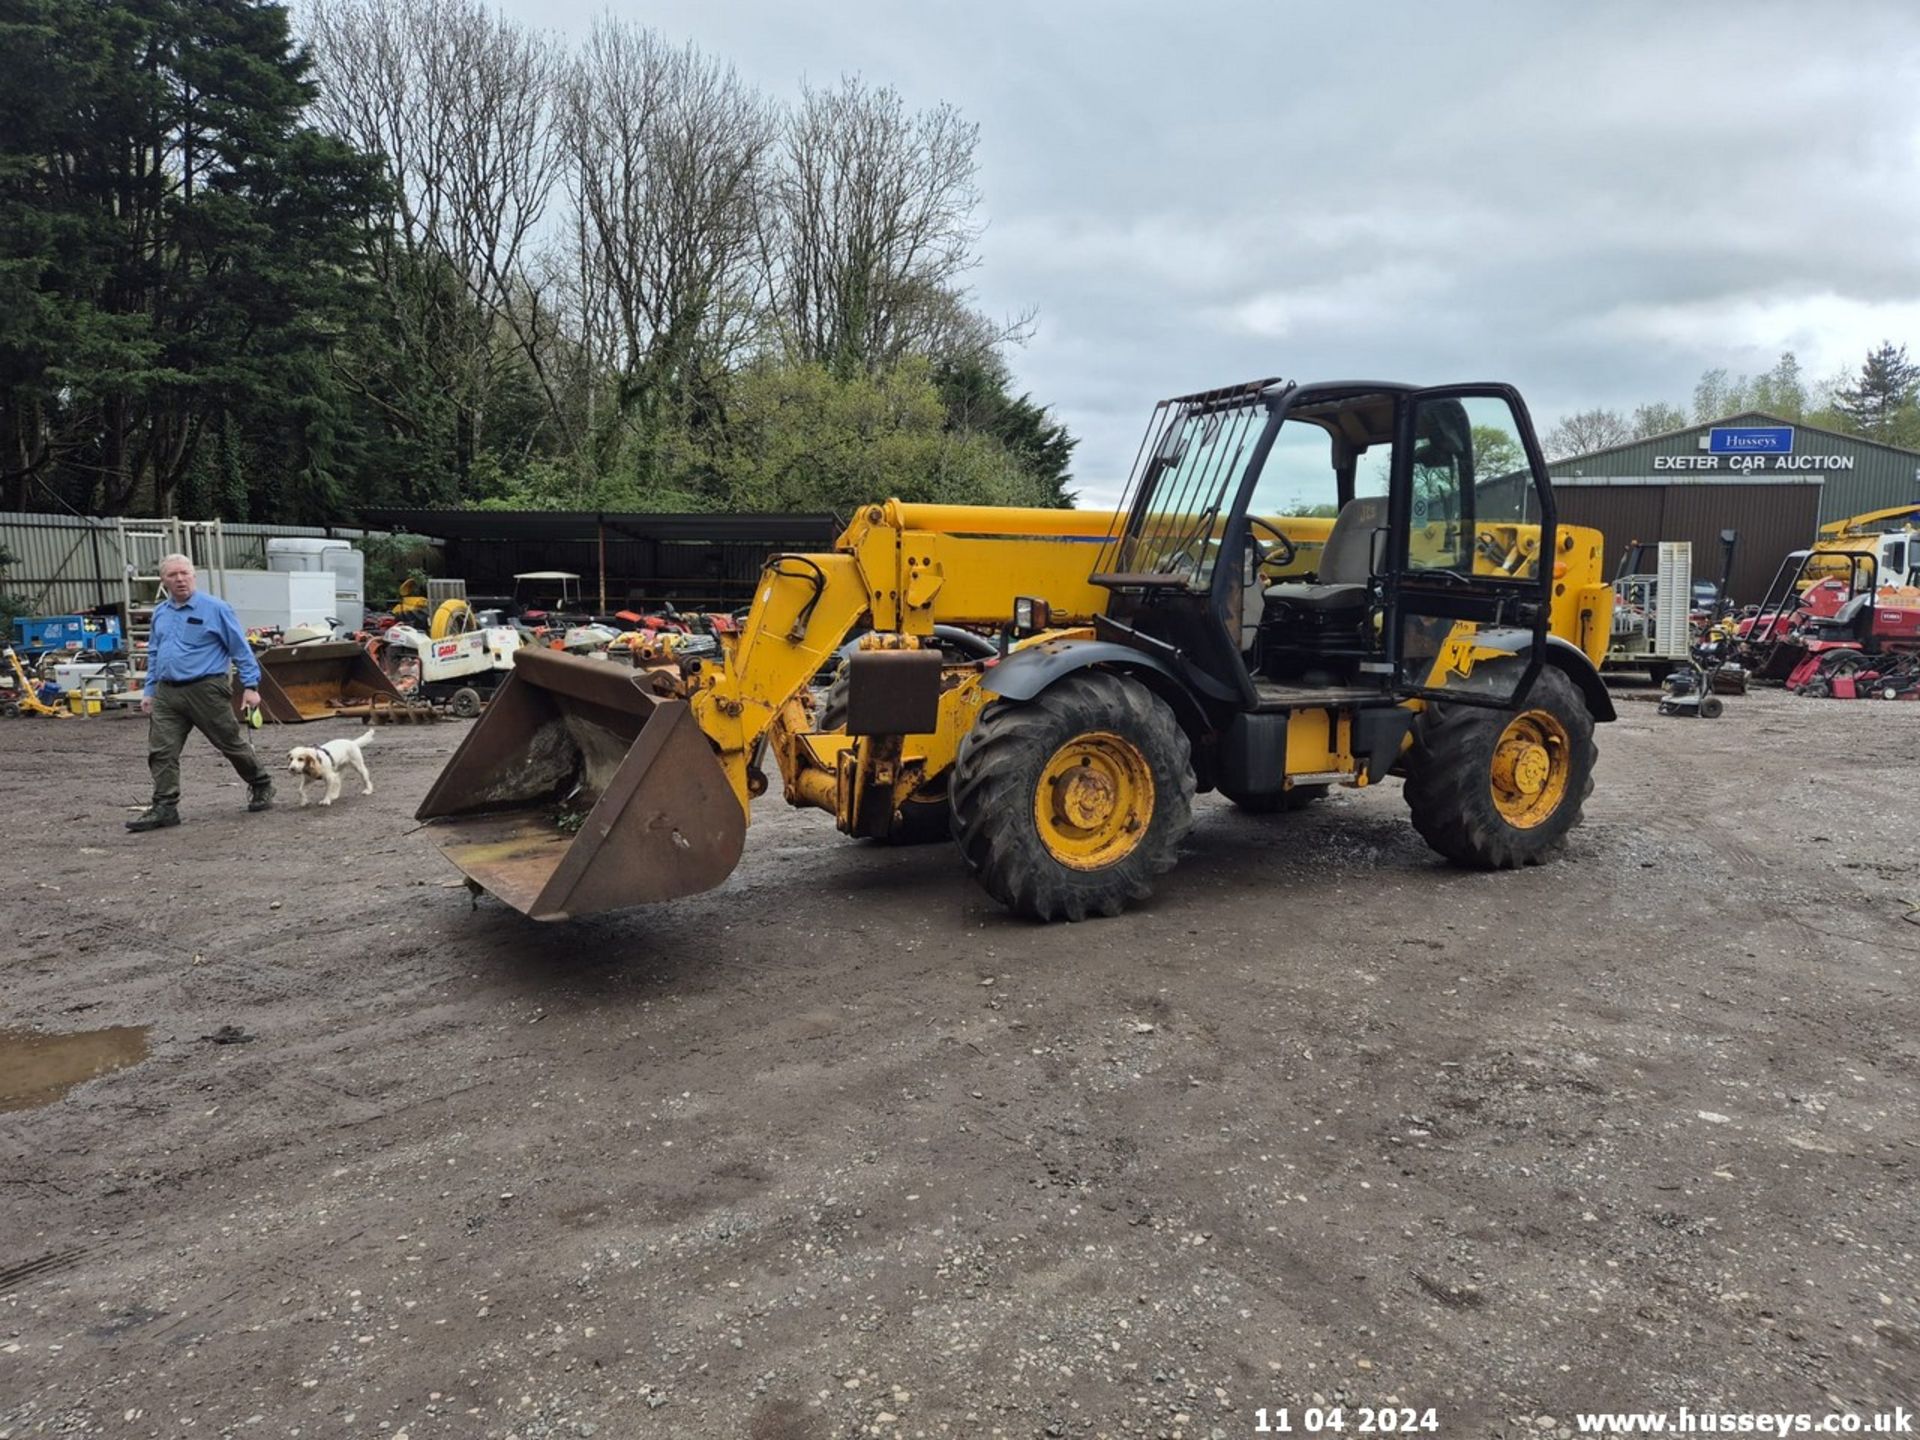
(578, 791)
(311, 682)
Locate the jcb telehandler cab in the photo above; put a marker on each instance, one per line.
(1305, 585)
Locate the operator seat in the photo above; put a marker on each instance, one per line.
(1852, 620)
(1304, 629)
(1346, 564)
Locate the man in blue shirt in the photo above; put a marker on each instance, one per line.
(195, 638)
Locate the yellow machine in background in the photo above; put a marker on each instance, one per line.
(1197, 639)
(448, 616)
(1892, 555)
(412, 606)
(451, 617)
(21, 698)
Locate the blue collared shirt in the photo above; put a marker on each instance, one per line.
(198, 639)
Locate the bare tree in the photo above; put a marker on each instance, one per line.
(1715, 396)
(461, 105)
(665, 153)
(1780, 391)
(1586, 431)
(1656, 418)
(870, 226)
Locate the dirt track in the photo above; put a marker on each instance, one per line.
(840, 1146)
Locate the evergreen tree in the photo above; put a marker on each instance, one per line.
(975, 392)
(210, 306)
(177, 251)
(1874, 404)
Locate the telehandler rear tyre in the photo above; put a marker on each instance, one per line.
(1497, 789)
(1069, 804)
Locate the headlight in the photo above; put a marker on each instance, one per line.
(1030, 614)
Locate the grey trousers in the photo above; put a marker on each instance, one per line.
(179, 710)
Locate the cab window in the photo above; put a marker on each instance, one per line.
(1472, 489)
(1297, 478)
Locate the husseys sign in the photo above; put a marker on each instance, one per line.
(1746, 449)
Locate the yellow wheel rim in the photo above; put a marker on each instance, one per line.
(1531, 761)
(1094, 800)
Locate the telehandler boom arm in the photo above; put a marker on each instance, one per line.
(1857, 524)
(901, 569)
(585, 787)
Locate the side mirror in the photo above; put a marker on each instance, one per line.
(1172, 446)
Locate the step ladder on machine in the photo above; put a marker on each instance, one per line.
(143, 545)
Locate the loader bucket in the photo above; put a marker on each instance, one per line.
(311, 682)
(578, 791)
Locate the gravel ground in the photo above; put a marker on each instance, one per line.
(840, 1149)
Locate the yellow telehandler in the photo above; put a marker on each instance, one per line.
(1304, 585)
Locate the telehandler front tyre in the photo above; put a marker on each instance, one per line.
(1497, 789)
(1069, 804)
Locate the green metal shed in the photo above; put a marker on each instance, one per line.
(1773, 480)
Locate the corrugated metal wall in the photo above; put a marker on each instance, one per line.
(66, 564)
(1771, 519)
(60, 566)
(716, 574)
(1880, 478)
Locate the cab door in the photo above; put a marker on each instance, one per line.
(1894, 560)
(1470, 546)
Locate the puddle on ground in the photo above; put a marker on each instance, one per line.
(37, 1068)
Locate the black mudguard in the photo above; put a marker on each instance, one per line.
(1025, 673)
(1562, 655)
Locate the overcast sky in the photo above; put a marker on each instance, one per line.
(1595, 202)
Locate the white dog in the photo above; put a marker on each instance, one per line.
(325, 763)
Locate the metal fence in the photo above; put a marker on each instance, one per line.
(69, 564)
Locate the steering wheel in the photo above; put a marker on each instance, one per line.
(1282, 554)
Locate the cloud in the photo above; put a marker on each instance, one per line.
(1371, 300)
(1826, 332)
(1597, 203)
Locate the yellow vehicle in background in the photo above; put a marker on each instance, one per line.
(18, 694)
(1442, 627)
(1891, 555)
(440, 616)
